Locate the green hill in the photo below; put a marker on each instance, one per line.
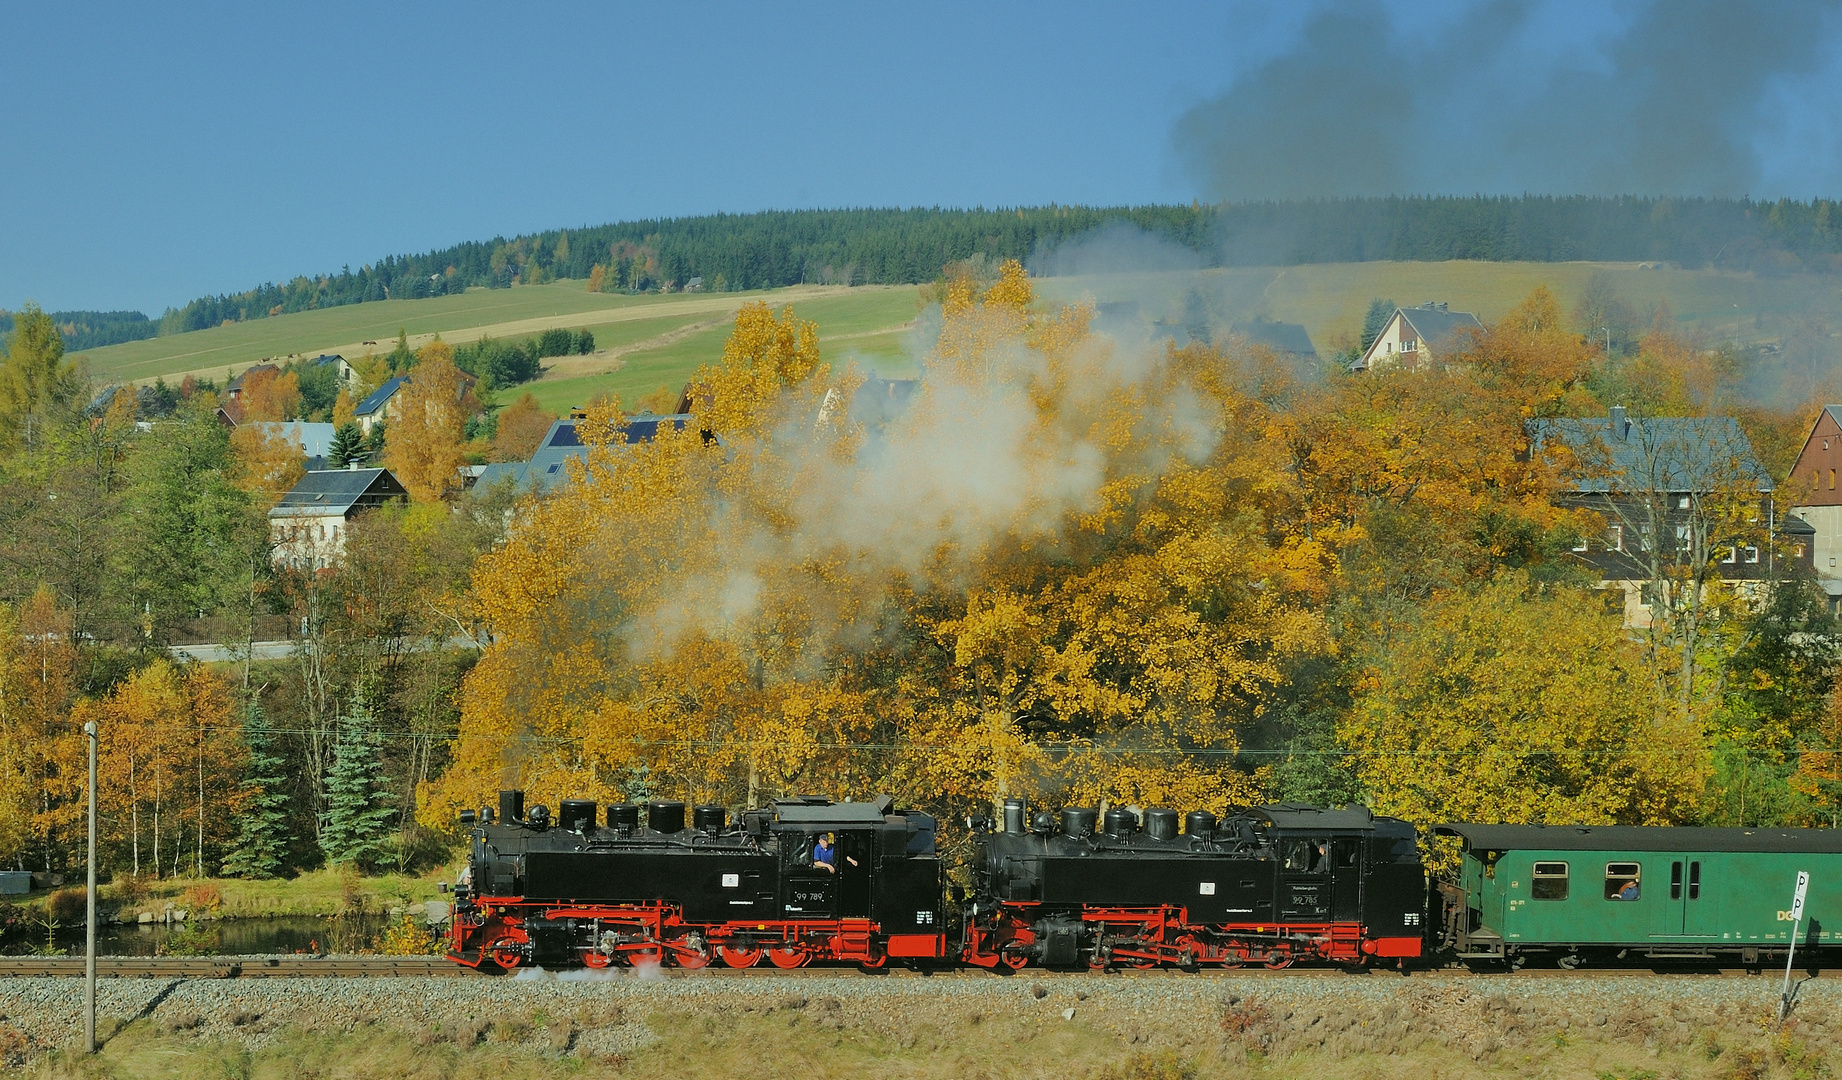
(648, 341)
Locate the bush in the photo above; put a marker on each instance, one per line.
(204, 897)
(407, 937)
(556, 342)
(128, 889)
(192, 939)
(69, 905)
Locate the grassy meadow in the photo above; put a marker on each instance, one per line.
(651, 341)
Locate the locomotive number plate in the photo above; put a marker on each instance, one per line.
(1207, 888)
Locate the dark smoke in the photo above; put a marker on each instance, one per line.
(1683, 97)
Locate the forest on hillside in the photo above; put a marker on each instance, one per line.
(887, 247)
(1073, 568)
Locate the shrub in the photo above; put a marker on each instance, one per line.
(69, 905)
(204, 897)
(407, 937)
(128, 889)
(191, 939)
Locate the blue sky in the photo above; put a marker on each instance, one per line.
(155, 155)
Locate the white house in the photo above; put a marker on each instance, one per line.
(1415, 336)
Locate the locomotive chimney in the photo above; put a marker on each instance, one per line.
(623, 818)
(1015, 813)
(511, 807)
(1161, 823)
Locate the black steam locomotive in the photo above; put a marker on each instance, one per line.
(574, 892)
(1270, 885)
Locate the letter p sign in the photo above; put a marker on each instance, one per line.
(1797, 901)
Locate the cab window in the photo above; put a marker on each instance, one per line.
(1549, 881)
(1307, 856)
(1623, 881)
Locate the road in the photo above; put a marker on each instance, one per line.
(217, 654)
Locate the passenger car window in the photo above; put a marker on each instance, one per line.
(1549, 881)
(1621, 880)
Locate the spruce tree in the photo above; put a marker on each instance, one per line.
(262, 828)
(355, 826)
(348, 445)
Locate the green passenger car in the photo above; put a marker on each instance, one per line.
(1572, 891)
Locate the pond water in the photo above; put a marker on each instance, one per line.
(234, 937)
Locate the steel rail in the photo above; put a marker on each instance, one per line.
(363, 967)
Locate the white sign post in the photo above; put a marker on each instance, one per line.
(1797, 918)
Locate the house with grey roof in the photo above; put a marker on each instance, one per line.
(1418, 336)
(314, 441)
(1682, 500)
(307, 529)
(548, 468)
(1287, 339)
(377, 406)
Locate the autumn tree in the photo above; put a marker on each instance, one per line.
(423, 446)
(1518, 703)
(269, 460)
(270, 394)
(522, 426)
(170, 752)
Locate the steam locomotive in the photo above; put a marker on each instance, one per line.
(572, 893)
(1269, 886)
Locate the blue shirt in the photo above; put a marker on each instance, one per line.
(824, 854)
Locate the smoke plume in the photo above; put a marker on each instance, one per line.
(1701, 97)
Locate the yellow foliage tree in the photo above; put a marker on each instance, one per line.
(269, 462)
(423, 444)
(270, 394)
(1513, 703)
(170, 753)
(522, 425)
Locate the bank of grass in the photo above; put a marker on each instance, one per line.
(617, 320)
(143, 1051)
(317, 892)
(947, 1039)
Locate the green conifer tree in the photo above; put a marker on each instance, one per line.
(348, 446)
(355, 828)
(262, 828)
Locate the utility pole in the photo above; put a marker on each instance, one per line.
(89, 944)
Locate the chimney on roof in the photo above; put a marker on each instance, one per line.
(1620, 425)
(352, 465)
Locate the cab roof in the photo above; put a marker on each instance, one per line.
(1640, 838)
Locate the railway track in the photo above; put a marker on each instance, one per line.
(236, 967)
(372, 967)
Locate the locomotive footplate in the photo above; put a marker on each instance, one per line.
(1100, 937)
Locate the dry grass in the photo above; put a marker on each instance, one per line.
(1433, 1036)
